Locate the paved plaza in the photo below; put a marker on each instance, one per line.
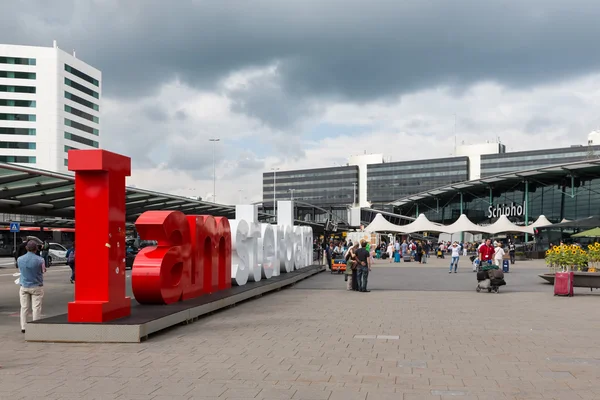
(420, 334)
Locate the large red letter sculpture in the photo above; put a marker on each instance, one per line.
(192, 257)
(100, 233)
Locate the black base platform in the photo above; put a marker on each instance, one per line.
(147, 319)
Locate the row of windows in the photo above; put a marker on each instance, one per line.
(81, 88)
(417, 175)
(17, 131)
(17, 103)
(17, 117)
(556, 157)
(81, 75)
(81, 140)
(81, 127)
(66, 162)
(309, 174)
(18, 159)
(309, 190)
(17, 61)
(17, 145)
(17, 75)
(415, 165)
(81, 101)
(67, 148)
(336, 182)
(17, 89)
(82, 114)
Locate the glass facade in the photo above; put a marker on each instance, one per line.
(79, 139)
(17, 159)
(17, 75)
(81, 101)
(81, 114)
(17, 89)
(81, 88)
(81, 75)
(17, 131)
(81, 127)
(17, 117)
(494, 164)
(17, 103)
(67, 148)
(323, 186)
(390, 181)
(17, 61)
(17, 145)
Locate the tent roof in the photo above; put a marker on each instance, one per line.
(464, 224)
(503, 224)
(584, 223)
(422, 224)
(541, 221)
(380, 224)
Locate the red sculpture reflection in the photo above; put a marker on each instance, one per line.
(100, 233)
(192, 257)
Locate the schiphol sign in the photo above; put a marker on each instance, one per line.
(195, 255)
(511, 210)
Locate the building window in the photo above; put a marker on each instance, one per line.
(81, 75)
(82, 114)
(17, 145)
(17, 159)
(17, 89)
(81, 101)
(81, 140)
(81, 88)
(17, 131)
(17, 61)
(67, 148)
(66, 162)
(17, 75)
(17, 103)
(81, 127)
(17, 117)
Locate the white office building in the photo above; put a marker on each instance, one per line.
(49, 104)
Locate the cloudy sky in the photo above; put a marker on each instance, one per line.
(304, 83)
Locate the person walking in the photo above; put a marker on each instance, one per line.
(363, 257)
(46, 253)
(31, 293)
(486, 252)
(498, 254)
(455, 252)
(390, 251)
(511, 251)
(71, 261)
(351, 268)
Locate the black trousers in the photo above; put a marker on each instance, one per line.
(354, 279)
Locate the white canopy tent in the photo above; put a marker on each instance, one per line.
(541, 221)
(380, 224)
(503, 224)
(422, 224)
(464, 224)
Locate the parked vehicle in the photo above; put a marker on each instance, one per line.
(57, 254)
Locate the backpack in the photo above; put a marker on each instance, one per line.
(71, 258)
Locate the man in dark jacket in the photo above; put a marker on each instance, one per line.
(21, 251)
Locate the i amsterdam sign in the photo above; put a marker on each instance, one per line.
(511, 210)
(194, 255)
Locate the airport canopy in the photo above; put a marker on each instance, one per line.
(592, 233)
(503, 224)
(422, 224)
(583, 223)
(541, 221)
(464, 224)
(380, 224)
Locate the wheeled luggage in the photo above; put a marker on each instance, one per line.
(482, 276)
(484, 284)
(440, 254)
(496, 274)
(407, 258)
(397, 257)
(505, 266)
(563, 283)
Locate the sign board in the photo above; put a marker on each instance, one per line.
(510, 210)
(15, 227)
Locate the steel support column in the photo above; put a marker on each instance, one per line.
(526, 208)
(462, 234)
(417, 210)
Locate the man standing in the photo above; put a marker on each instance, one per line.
(364, 266)
(455, 250)
(511, 250)
(31, 293)
(486, 252)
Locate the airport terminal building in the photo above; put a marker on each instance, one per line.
(481, 181)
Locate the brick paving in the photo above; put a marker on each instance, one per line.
(311, 343)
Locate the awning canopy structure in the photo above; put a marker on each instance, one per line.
(503, 224)
(31, 191)
(422, 224)
(541, 221)
(380, 224)
(464, 224)
(584, 223)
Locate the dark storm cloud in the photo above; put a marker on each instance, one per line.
(355, 49)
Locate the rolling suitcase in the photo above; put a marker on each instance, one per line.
(505, 266)
(397, 257)
(407, 258)
(482, 276)
(563, 284)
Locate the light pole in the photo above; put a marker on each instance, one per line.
(292, 192)
(354, 193)
(275, 192)
(214, 142)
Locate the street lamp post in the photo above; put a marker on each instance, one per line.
(214, 142)
(292, 192)
(275, 192)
